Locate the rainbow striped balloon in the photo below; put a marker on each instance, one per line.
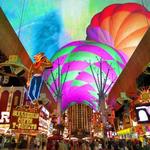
(121, 26)
(75, 60)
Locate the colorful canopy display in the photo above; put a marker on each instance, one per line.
(121, 26)
(74, 60)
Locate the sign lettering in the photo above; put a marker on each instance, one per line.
(5, 117)
(24, 120)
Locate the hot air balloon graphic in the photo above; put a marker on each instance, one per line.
(71, 78)
(121, 26)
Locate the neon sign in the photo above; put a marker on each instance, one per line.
(24, 120)
(5, 117)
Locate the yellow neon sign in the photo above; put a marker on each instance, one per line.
(25, 114)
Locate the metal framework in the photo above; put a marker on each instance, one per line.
(100, 83)
(58, 88)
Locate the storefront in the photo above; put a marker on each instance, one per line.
(19, 120)
(10, 97)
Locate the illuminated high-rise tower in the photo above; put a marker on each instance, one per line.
(80, 116)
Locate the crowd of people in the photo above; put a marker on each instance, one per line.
(9, 142)
(98, 145)
(74, 145)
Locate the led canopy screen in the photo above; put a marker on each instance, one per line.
(112, 36)
(121, 26)
(75, 60)
(47, 25)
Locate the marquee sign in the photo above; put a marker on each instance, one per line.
(26, 119)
